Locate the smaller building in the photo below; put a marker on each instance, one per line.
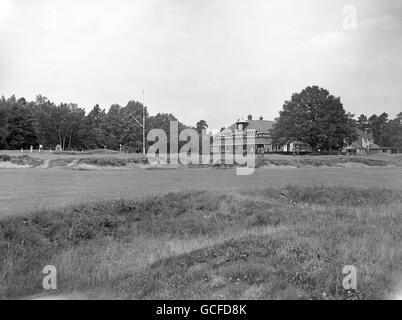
(362, 145)
(294, 146)
(391, 150)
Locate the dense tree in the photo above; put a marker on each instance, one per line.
(386, 133)
(315, 117)
(4, 112)
(21, 129)
(94, 136)
(113, 126)
(132, 117)
(68, 124)
(162, 121)
(201, 125)
(394, 131)
(363, 123)
(203, 139)
(45, 122)
(378, 127)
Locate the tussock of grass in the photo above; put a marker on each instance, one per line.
(339, 196)
(268, 244)
(112, 158)
(328, 161)
(23, 160)
(112, 162)
(95, 151)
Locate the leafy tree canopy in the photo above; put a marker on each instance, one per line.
(315, 117)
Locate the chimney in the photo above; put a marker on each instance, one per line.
(261, 118)
(249, 117)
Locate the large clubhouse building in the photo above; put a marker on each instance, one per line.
(234, 138)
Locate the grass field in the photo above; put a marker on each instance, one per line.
(281, 233)
(288, 243)
(30, 190)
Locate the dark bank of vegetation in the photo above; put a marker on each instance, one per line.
(42, 122)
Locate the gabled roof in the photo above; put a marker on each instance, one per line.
(258, 125)
(355, 145)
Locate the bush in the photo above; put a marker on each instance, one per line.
(5, 157)
(21, 160)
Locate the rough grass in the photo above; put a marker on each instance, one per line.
(112, 162)
(334, 161)
(108, 161)
(95, 151)
(23, 160)
(109, 158)
(269, 244)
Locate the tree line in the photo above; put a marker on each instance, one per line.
(313, 116)
(317, 118)
(41, 122)
(386, 132)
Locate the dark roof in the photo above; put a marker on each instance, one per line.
(358, 145)
(258, 125)
(355, 145)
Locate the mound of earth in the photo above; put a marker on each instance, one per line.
(327, 162)
(19, 161)
(95, 151)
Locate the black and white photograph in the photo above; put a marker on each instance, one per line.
(202, 155)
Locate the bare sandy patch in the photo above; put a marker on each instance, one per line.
(10, 165)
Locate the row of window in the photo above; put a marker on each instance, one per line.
(240, 136)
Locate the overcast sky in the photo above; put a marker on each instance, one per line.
(216, 60)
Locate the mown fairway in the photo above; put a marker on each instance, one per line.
(28, 190)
